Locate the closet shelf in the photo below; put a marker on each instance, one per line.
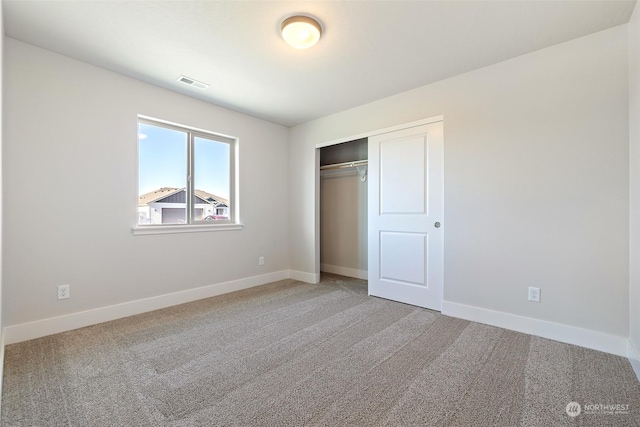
(354, 164)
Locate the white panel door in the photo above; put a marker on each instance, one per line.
(405, 215)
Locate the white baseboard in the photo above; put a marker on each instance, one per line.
(634, 357)
(40, 328)
(304, 277)
(555, 331)
(344, 271)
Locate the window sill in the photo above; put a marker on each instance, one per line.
(172, 229)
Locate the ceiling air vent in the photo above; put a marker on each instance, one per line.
(192, 82)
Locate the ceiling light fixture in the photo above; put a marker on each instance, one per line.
(301, 32)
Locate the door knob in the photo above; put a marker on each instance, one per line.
(436, 225)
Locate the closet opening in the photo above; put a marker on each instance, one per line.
(343, 208)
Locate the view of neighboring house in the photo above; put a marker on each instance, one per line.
(167, 205)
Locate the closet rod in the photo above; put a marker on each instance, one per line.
(345, 165)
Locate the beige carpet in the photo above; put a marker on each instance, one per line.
(292, 354)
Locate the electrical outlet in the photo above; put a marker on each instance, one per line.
(261, 260)
(63, 291)
(534, 294)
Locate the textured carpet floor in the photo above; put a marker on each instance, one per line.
(290, 353)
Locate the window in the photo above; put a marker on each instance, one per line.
(185, 176)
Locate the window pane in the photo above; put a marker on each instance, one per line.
(211, 180)
(162, 177)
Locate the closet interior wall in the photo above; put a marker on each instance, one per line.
(343, 210)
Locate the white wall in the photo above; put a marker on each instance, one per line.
(536, 181)
(71, 143)
(2, 323)
(634, 189)
(343, 223)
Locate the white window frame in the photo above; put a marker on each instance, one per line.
(191, 226)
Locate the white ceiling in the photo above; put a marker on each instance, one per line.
(369, 50)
